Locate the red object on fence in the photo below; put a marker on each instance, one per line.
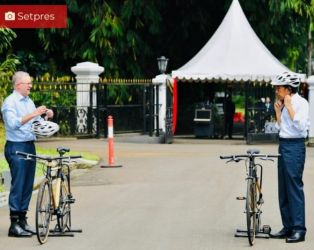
(238, 117)
(174, 105)
(110, 145)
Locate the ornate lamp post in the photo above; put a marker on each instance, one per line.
(162, 64)
(160, 101)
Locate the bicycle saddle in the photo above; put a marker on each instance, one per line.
(63, 150)
(252, 151)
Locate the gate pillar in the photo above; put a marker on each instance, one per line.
(163, 108)
(160, 81)
(310, 82)
(86, 73)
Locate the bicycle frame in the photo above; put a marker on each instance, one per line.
(55, 179)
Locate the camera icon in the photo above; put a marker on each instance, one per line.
(9, 16)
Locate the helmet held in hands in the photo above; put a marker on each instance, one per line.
(44, 128)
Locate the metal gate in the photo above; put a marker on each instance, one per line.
(169, 113)
(130, 104)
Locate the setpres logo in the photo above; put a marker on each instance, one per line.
(33, 16)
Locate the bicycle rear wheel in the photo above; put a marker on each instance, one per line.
(43, 211)
(64, 213)
(251, 211)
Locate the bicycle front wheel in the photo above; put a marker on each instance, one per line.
(251, 211)
(43, 211)
(64, 213)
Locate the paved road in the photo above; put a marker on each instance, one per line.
(166, 197)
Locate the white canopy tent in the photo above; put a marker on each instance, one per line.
(233, 53)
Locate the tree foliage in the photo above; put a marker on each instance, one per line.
(295, 17)
(106, 32)
(127, 36)
(8, 61)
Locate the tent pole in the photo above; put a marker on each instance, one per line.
(224, 106)
(246, 109)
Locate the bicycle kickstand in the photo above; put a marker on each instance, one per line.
(56, 232)
(261, 233)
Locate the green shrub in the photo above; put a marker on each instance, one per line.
(2, 136)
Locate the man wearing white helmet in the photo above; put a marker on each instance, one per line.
(19, 112)
(292, 115)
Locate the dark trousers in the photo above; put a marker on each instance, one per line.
(229, 127)
(291, 194)
(22, 173)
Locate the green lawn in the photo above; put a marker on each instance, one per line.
(51, 152)
(2, 138)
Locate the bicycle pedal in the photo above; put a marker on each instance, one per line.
(241, 198)
(260, 201)
(266, 229)
(72, 200)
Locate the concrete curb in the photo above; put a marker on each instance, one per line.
(4, 198)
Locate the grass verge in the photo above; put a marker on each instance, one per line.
(41, 151)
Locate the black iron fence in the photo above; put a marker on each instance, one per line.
(259, 114)
(82, 109)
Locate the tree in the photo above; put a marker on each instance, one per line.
(299, 16)
(8, 61)
(106, 32)
(186, 27)
(127, 36)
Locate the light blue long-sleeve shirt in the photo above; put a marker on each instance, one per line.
(14, 108)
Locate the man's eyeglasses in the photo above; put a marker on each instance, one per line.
(28, 83)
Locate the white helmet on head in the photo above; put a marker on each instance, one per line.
(44, 128)
(287, 78)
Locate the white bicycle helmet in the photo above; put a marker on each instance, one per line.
(44, 128)
(287, 78)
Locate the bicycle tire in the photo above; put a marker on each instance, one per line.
(257, 211)
(251, 211)
(64, 213)
(43, 212)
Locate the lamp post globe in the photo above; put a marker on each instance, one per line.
(162, 64)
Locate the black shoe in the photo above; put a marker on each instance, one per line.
(15, 230)
(23, 224)
(296, 237)
(282, 234)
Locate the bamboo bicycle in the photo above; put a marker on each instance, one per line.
(254, 196)
(54, 195)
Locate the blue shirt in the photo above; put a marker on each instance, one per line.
(298, 127)
(14, 108)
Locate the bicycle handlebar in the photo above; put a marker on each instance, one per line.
(47, 158)
(262, 156)
(237, 158)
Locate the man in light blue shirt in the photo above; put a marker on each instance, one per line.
(292, 116)
(18, 112)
